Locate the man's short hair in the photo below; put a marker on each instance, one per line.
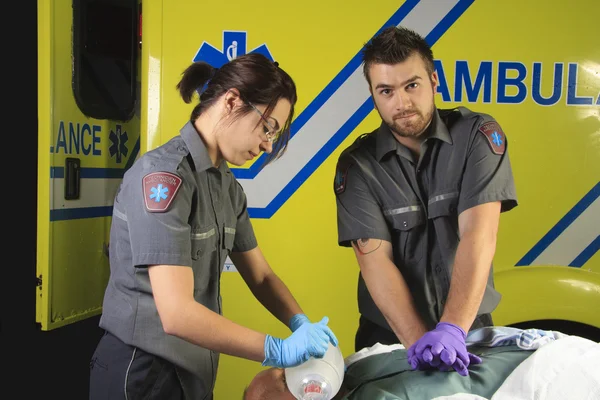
(394, 45)
(273, 387)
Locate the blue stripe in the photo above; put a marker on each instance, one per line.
(560, 227)
(321, 99)
(447, 21)
(101, 173)
(314, 163)
(586, 254)
(80, 213)
(57, 172)
(354, 120)
(298, 123)
(90, 173)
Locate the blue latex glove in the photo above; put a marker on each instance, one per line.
(297, 320)
(300, 319)
(442, 348)
(309, 340)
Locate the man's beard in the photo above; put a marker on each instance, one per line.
(410, 127)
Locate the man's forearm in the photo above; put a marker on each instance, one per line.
(274, 295)
(392, 296)
(469, 277)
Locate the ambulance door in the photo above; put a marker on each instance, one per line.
(88, 135)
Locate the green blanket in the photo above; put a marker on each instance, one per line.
(388, 376)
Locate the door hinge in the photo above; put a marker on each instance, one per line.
(38, 281)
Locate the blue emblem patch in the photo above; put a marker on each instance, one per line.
(341, 174)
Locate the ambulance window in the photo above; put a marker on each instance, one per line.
(105, 46)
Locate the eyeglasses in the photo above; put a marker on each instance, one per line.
(271, 133)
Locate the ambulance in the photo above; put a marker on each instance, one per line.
(107, 71)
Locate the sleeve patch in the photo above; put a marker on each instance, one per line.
(160, 189)
(341, 174)
(495, 136)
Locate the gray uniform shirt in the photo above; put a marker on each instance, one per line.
(173, 207)
(383, 192)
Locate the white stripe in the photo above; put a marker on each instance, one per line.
(119, 214)
(403, 210)
(203, 235)
(92, 193)
(569, 244)
(441, 197)
(331, 116)
(127, 373)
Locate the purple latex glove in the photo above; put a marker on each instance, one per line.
(443, 348)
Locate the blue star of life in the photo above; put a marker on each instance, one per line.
(159, 193)
(497, 139)
(234, 45)
(339, 178)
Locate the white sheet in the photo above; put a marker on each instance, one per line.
(568, 368)
(377, 348)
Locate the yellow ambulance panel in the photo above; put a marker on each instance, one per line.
(538, 76)
(491, 57)
(88, 136)
(544, 90)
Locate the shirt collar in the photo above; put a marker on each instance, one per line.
(197, 149)
(386, 142)
(440, 131)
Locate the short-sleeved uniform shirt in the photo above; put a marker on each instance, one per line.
(173, 207)
(384, 192)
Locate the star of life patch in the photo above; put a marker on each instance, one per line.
(159, 190)
(341, 174)
(495, 136)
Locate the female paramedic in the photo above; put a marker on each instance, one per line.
(177, 215)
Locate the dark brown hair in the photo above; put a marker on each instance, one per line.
(259, 81)
(394, 45)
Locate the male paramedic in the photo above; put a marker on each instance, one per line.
(419, 201)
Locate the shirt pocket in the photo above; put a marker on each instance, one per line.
(204, 241)
(442, 211)
(408, 233)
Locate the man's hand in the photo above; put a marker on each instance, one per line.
(442, 348)
(388, 288)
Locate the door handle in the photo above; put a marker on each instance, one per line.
(72, 178)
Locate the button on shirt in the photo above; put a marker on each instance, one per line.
(384, 192)
(199, 221)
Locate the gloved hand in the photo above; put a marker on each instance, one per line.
(300, 319)
(444, 348)
(309, 340)
(297, 320)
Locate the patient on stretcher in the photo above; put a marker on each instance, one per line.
(383, 372)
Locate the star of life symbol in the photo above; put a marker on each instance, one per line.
(497, 139)
(118, 148)
(160, 188)
(234, 45)
(159, 193)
